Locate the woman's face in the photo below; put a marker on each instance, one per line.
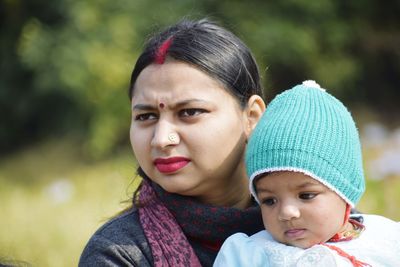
(298, 210)
(188, 133)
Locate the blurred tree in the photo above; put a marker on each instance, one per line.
(26, 111)
(377, 47)
(65, 65)
(72, 68)
(350, 47)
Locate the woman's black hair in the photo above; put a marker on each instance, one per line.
(210, 48)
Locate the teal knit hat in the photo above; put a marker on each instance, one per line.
(307, 130)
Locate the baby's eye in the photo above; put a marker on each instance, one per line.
(189, 112)
(269, 201)
(307, 196)
(145, 117)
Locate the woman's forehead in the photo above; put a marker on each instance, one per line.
(175, 81)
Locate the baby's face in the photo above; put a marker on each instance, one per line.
(298, 210)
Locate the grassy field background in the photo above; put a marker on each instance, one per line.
(52, 200)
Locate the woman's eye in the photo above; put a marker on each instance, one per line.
(145, 117)
(307, 196)
(191, 112)
(269, 201)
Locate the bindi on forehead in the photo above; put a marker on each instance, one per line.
(161, 105)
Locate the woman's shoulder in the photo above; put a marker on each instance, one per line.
(120, 241)
(125, 223)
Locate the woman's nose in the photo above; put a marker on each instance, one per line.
(288, 212)
(164, 135)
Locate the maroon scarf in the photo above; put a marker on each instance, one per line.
(168, 243)
(168, 229)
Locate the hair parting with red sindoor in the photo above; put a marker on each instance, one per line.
(210, 48)
(161, 53)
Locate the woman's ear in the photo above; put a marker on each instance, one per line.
(254, 110)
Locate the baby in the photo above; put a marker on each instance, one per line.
(305, 167)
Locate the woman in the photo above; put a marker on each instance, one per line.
(196, 97)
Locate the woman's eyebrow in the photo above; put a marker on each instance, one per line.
(175, 105)
(143, 107)
(188, 101)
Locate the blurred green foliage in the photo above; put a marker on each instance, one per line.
(65, 65)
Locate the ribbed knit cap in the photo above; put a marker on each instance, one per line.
(305, 129)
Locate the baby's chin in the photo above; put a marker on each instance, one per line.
(302, 243)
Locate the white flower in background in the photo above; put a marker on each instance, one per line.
(387, 163)
(396, 138)
(374, 135)
(60, 191)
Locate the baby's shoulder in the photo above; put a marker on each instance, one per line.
(379, 244)
(380, 228)
(377, 220)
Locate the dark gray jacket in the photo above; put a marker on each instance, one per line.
(121, 242)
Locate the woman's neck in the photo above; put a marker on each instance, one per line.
(235, 194)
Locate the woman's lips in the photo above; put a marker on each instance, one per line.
(169, 165)
(295, 233)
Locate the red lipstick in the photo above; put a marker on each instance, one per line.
(169, 165)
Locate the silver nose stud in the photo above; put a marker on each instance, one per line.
(173, 138)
